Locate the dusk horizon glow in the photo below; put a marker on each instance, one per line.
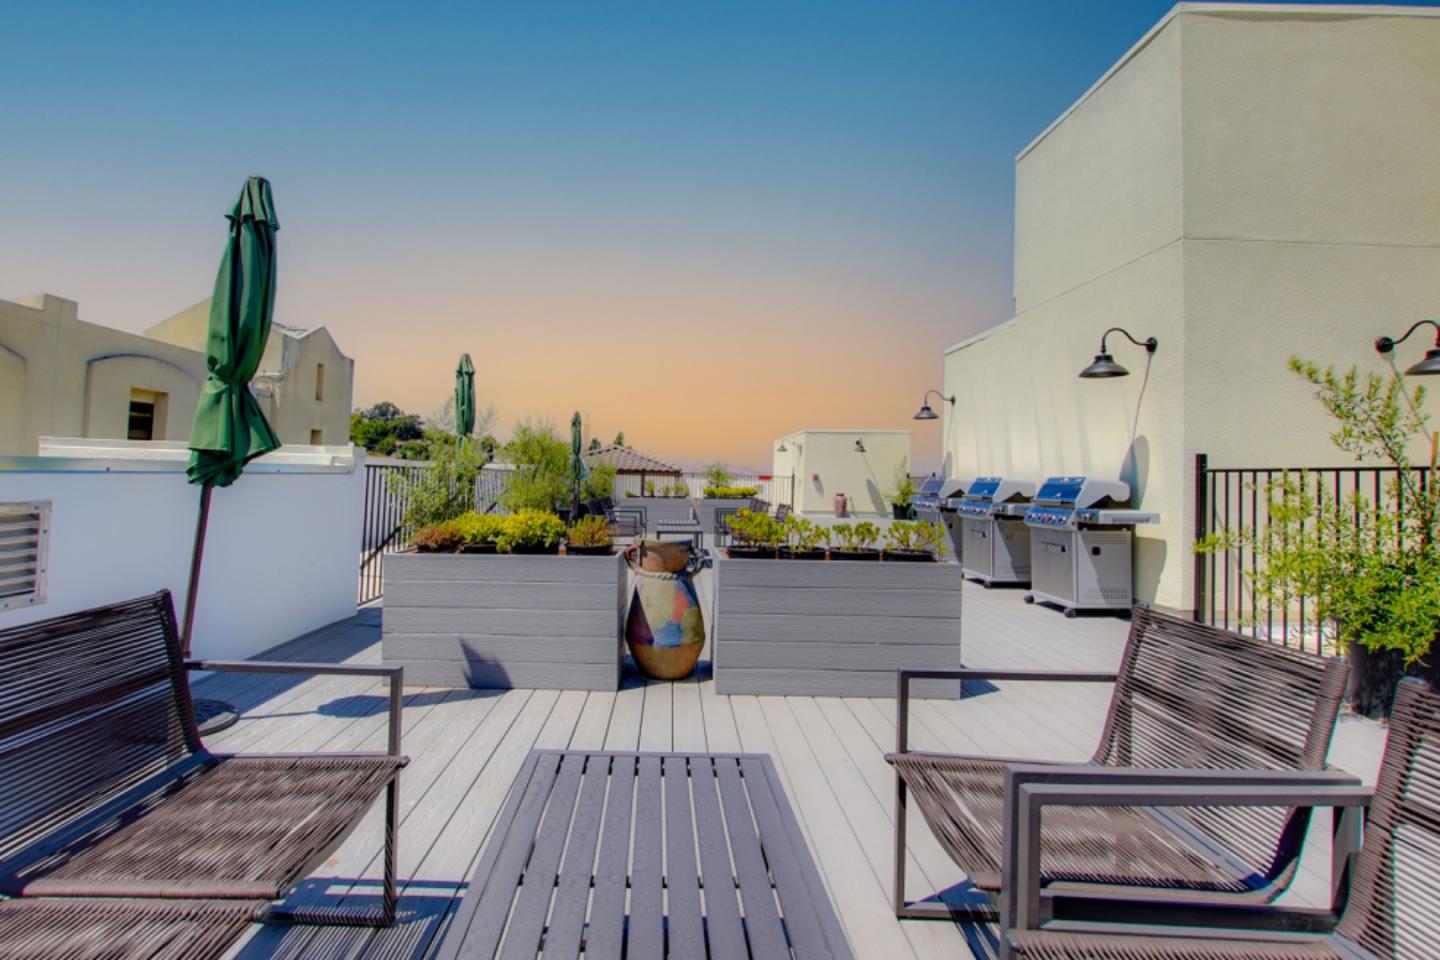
(704, 225)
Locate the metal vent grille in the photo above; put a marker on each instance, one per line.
(24, 553)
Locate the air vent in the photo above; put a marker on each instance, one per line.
(24, 553)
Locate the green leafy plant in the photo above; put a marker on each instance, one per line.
(856, 536)
(730, 493)
(904, 492)
(756, 529)
(805, 535)
(649, 488)
(717, 475)
(1369, 569)
(917, 536)
(438, 538)
(475, 528)
(590, 531)
(541, 478)
(530, 529)
(442, 491)
(600, 482)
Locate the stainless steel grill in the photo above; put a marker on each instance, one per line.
(1081, 544)
(995, 541)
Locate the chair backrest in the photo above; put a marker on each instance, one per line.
(1394, 908)
(1195, 696)
(782, 511)
(722, 518)
(91, 704)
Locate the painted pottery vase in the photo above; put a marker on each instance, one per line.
(664, 630)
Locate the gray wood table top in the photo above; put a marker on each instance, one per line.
(705, 845)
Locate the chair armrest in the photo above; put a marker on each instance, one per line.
(1031, 788)
(904, 677)
(395, 674)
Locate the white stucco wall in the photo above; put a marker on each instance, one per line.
(1244, 185)
(281, 553)
(825, 462)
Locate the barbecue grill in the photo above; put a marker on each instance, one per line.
(995, 540)
(935, 501)
(1080, 544)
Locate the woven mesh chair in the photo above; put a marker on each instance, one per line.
(106, 790)
(1393, 910)
(1187, 697)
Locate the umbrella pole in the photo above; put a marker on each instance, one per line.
(211, 716)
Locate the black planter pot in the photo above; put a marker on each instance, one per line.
(571, 550)
(788, 554)
(737, 552)
(478, 548)
(537, 551)
(1375, 676)
(909, 556)
(854, 554)
(899, 512)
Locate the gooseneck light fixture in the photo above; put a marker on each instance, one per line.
(1105, 366)
(925, 412)
(859, 446)
(1426, 367)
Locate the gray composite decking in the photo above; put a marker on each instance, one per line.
(468, 745)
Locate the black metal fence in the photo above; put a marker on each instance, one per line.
(383, 524)
(1235, 498)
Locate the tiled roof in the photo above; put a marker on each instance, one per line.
(626, 460)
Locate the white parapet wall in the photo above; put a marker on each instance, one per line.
(280, 555)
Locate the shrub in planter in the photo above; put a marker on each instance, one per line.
(806, 539)
(589, 536)
(759, 535)
(438, 538)
(904, 493)
(713, 492)
(917, 540)
(857, 541)
(1369, 569)
(477, 531)
(531, 531)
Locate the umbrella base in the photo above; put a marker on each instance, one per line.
(212, 716)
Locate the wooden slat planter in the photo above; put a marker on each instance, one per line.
(505, 621)
(834, 628)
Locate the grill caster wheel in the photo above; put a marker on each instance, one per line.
(986, 584)
(1071, 613)
(1029, 598)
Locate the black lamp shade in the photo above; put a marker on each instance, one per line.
(1103, 367)
(1427, 367)
(926, 413)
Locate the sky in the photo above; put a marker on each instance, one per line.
(707, 224)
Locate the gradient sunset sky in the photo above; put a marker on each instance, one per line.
(706, 224)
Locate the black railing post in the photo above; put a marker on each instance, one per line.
(1202, 524)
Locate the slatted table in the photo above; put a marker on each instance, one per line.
(684, 528)
(687, 855)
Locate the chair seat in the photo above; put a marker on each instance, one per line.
(1038, 945)
(962, 799)
(238, 827)
(112, 929)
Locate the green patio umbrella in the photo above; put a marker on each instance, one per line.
(230, 430)
(464, 399)
(577, 462)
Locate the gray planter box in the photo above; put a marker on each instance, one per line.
(706, 507)
(834, 628)
(471, 620)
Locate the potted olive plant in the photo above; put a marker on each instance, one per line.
(904, 493)
(806, 539)
(1370, 568)
(757, 536)
(919, 540)
(857, 541)
(589, 537)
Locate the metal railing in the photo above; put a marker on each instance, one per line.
(383, 528)
(1234, 498)
(774, 490)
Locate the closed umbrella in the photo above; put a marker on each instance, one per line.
(464, 399)
(577, 463)
(230, 430)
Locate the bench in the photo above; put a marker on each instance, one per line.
(116, 819)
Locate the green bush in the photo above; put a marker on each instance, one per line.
(720, 492)
(756, 529)
(916, 536)
(590, 531)
(442, 491)
(475, 527)
(805, 535)
(530, 529)
(904, 492)
(541, 478)
(717, 475)
(856, 536)
(438, 538)
(600, 482)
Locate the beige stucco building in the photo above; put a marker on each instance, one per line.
(862, 464)
(1245, 184)
(63, 377)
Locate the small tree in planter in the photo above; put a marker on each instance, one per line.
(904, 493)
(717, 475)
(1370, 570)
(918, 540)
(759, 535)
(442, 491)
(807, 539)
(857, 541)
(588, 537)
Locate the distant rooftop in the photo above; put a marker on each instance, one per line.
(626, 460)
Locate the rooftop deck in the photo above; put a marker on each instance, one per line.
(467, 745)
